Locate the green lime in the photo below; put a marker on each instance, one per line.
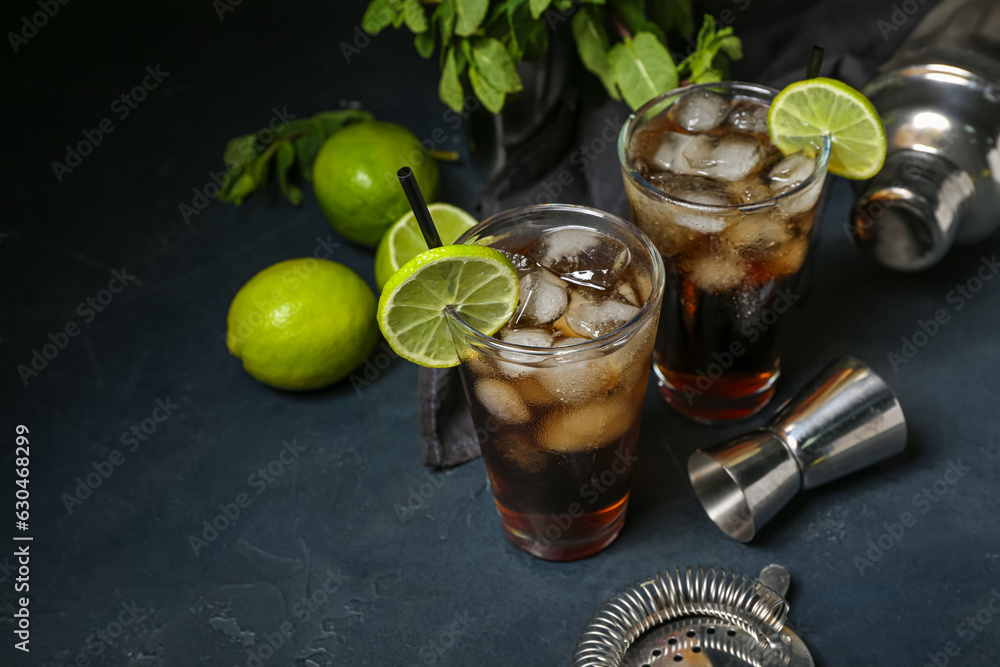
(479, 281)
(808, 110)
(302, 324)
(354, 178)
(404, 240)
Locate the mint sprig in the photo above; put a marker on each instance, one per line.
(481, 43)
(706, 64)
(248, 158)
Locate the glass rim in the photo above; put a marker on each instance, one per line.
(821, 160)
(649, 308)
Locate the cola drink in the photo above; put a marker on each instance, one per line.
(557, 394)
(732, 217)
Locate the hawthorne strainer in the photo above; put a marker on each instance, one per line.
(701, 618)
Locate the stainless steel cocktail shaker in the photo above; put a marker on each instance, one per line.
(939, 98)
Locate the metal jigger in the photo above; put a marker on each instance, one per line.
(845, 419)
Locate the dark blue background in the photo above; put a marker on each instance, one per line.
(438, 584)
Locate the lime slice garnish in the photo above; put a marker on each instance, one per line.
(404, 241)
(806, 111)
(479, 281)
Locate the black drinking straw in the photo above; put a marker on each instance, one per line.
(419, 206)
(815, 62)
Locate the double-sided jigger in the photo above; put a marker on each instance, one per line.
(845, 419)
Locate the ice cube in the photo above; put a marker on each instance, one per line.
(682, 186)
(593, 317)
(717, 274)
(583, 427)
(752, 191)
(644, 144)
(669, 155)
(543, 299)
(706, 223)
(525, 337)
(590, 374)
(730, 158)
(582, 256)
(801, 201)
(757, 233)
(502, 401)
(523, 451)
(566, 341)
(520, 262)
(699, 110)
(788, 258)
(577, 380)
(627, 293)
(667, 237)
(791, 171)
(528, 338)
(644, 282)
(748, 117)
(788, 174)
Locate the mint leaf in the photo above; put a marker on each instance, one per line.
(306, 148)
(259, 169)
(291, 129)
(450, 89)
(237, 188)
(424, 43)
(468, 15)
(642, 69)
(529, 37)
(700, 66)
(491, 98)
(513, 28)
(445, 15)
(499, 9)
(592, 44)
(240, 151)
(538, 7)
(286, 157)
(493, 62)
(413, 14)
(397, 17)
(243, 184)
(673, 15)
(633, 14)
(331, 121)
(377, 17)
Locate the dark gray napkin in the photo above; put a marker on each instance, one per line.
(447, 435)
(777, 39)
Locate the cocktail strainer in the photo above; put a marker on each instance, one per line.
(704, 618)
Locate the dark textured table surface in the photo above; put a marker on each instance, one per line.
(346, 551)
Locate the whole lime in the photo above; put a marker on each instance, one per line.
(354, 177)
(302, 324)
